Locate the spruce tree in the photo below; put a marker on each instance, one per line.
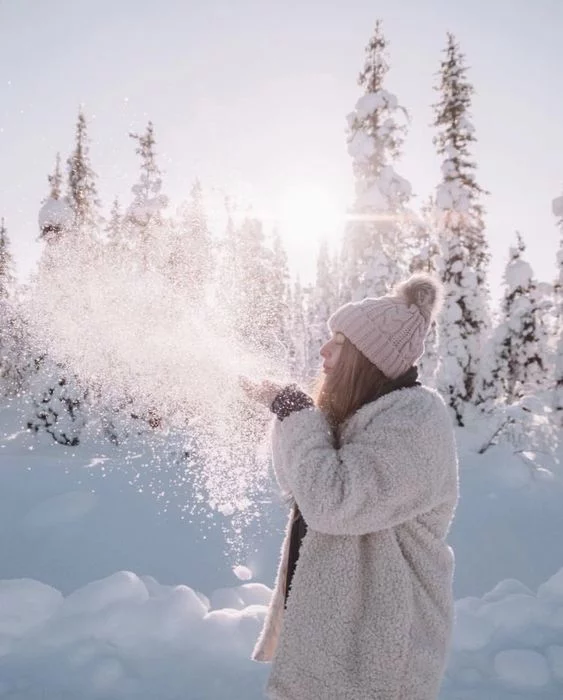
(145, 218)
(323, 301)
(82, 191)
(279, 289)
(464, 253)
(372, 260)
(55, 216)
(256, 324)
(56, 179)
(519, 346)
(299, 359)
(114, 230)
(191, 259)
(423, 254)
(7, 276)
(558, 290)
(11, 362)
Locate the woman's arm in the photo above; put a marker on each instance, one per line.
(389, 473)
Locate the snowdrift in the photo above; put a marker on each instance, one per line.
(130, 637)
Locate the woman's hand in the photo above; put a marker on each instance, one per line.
(262, 392)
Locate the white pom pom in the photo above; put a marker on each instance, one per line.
(423, 291)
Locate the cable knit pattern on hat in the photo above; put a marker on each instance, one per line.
(370, 607)
(390, 330)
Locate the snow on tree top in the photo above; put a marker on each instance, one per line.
(372, 198)
(55, 212)
(361, 146)
(453, 196)
(518, 274)
(465, 124)
(143, 211)
(372, 101)
(383, 194)
(557, 206)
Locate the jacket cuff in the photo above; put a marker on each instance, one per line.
(289, 400)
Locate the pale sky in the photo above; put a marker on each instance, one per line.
(251, 96)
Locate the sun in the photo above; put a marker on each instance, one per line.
(307, 213)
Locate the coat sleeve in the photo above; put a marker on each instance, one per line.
(391, 472)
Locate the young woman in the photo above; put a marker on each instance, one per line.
(362, 604)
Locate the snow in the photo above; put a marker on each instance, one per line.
(555, 660)
(361, 146)
(518, 274)
(452, 196)
(55, 213)
(105, 595)
(557, 206)
(371, 101)
(114, 638)
(522, 668)
(552, 590)
(242, 572)
(129, 637)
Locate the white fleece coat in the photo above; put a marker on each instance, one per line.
(370, 608)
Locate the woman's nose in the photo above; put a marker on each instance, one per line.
(323, 350)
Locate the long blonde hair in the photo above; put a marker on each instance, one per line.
(353, 382)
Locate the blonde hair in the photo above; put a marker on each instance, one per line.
(353, 382)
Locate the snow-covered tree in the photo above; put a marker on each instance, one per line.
(11, 361)
(7, 276)
(519, 348)
(114, 227)
(279, 290)
(55, 216)
(252, 309)
(191, 258)
(82, 191)
(144, 218)
(423, 254)
(464, 253)
(56, 179)
(323, 301)
(371, 257)
(299, 359)
(58, 402)
(558, 289)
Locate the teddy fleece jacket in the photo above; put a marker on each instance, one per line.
(369, 613)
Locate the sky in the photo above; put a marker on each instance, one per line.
(251, 97)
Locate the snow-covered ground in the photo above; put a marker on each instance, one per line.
(106, 594)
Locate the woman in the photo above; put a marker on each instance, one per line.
(362, 604)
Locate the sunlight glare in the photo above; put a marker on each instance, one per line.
(307, 212)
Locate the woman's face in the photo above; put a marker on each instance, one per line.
(330, 352)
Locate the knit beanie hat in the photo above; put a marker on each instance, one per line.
(390, 330)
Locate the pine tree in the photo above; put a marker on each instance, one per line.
(372, 249)
(114, 230)
(144, 218)
(299, 359)
(323, 301)
(461, 233)
(82, 191)
(55, 216)
(191, 258)
(424, 256)
(58, 402)
(519, 345)
(558, 291)
(11, 363)
(279, 290)
(7, 276)
(56, 179)
(256, 324)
